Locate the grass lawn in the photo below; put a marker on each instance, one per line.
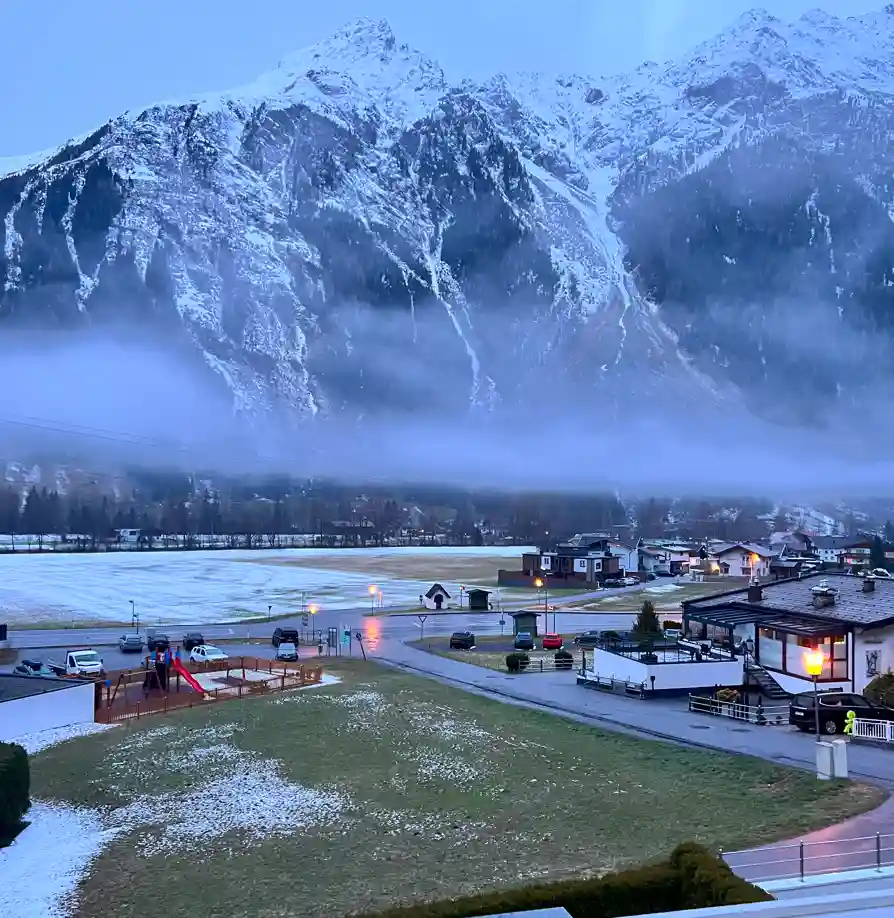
(490, 651)
(665, 601)
(386, 788)
(480, 568)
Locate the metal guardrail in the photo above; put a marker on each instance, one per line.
(881, 731)
(763, 715)
(610, 684)
(804, 859)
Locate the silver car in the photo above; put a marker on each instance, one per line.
(287, 651)
(130, 643)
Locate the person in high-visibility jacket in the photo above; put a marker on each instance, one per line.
(849, 719)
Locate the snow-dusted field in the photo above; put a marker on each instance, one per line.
(217, 586)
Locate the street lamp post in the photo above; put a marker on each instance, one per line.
(540, 583)
(814, 660)
(313, 609)
(373, 589)
(133, 614)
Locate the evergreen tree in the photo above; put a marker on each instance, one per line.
(647, 621)
(10, 505)
(888, 533)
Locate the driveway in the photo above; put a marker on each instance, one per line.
(667, 720)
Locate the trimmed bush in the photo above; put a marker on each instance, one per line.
(517, 661)
(690, 878)
(564, 659)
(15, 789)
(881, 689)
(668, 625)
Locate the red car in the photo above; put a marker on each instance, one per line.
(552, 641)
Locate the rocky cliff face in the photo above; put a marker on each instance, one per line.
(351, 233)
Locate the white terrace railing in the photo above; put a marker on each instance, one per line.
(881, 731)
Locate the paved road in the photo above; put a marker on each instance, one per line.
(399, 626)
(396, 624)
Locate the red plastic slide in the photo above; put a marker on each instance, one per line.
(191, 680)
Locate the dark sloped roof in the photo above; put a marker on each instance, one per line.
(794, 596)
(434, 590)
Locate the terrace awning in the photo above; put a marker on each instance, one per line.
(802, 625)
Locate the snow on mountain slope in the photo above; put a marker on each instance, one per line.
(349, 232)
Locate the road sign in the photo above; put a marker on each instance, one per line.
(304, 620)
(346, 636)
(422, 619)
(359, 636)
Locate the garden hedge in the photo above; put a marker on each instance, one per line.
(15, 789)
(691, 878)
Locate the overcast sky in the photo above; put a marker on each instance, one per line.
(73, 64)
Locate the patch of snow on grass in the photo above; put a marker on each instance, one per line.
(664, 588)
(434, 765)
(43, 866)
(291, 695)
(442, 723)
(37, 742)
(253, 800)
(229, 790)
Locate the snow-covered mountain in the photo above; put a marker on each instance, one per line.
(352, 232)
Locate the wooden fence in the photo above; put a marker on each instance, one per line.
(281, 677)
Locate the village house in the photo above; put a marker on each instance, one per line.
(588, 557)
(743, 559)
(794, 540)
(829, 549)
(850, 618)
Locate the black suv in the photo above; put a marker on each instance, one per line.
(833, 708)
(158, 643)
(462, 640)
(589, 639)
(285, 636)
(192, 639)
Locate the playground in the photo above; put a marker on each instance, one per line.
(166, 682)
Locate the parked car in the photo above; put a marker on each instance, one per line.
(130, 643)
(833, 708)
(192, 639)
(207, 653)
(665, 574)
(288, 635)
(613, 582)
(33, 668)
(552, 641)
(462, 640)
(589, 639)
(630, 581)
(651, 576)
(287, 651)
(85, 663)
(158, 643)
(524, 640)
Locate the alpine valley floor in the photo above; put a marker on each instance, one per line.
(289, 805)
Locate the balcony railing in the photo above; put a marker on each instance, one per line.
(813, 858)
